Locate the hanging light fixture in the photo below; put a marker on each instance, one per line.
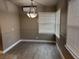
(31, 11)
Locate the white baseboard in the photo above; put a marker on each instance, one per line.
(60, 51)
(43, 41)
(72, 52)
(9, 48)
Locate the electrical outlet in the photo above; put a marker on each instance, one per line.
(37, 37)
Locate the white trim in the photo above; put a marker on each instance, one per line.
(9, 48)
(43, 41)
(25, 40)
(60, 51)
(72, 52)
(57, 35)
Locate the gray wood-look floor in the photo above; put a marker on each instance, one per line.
(32, 51)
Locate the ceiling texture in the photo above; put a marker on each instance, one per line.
(36, 2)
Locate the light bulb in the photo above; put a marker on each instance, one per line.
(32, 15)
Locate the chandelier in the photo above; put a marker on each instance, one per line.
(31, 11)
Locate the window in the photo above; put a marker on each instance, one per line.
(46, 22)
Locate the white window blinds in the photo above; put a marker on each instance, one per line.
(46, 22)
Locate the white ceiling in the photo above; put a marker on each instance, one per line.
(42, 2)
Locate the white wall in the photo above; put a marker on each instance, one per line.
(73, 28)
